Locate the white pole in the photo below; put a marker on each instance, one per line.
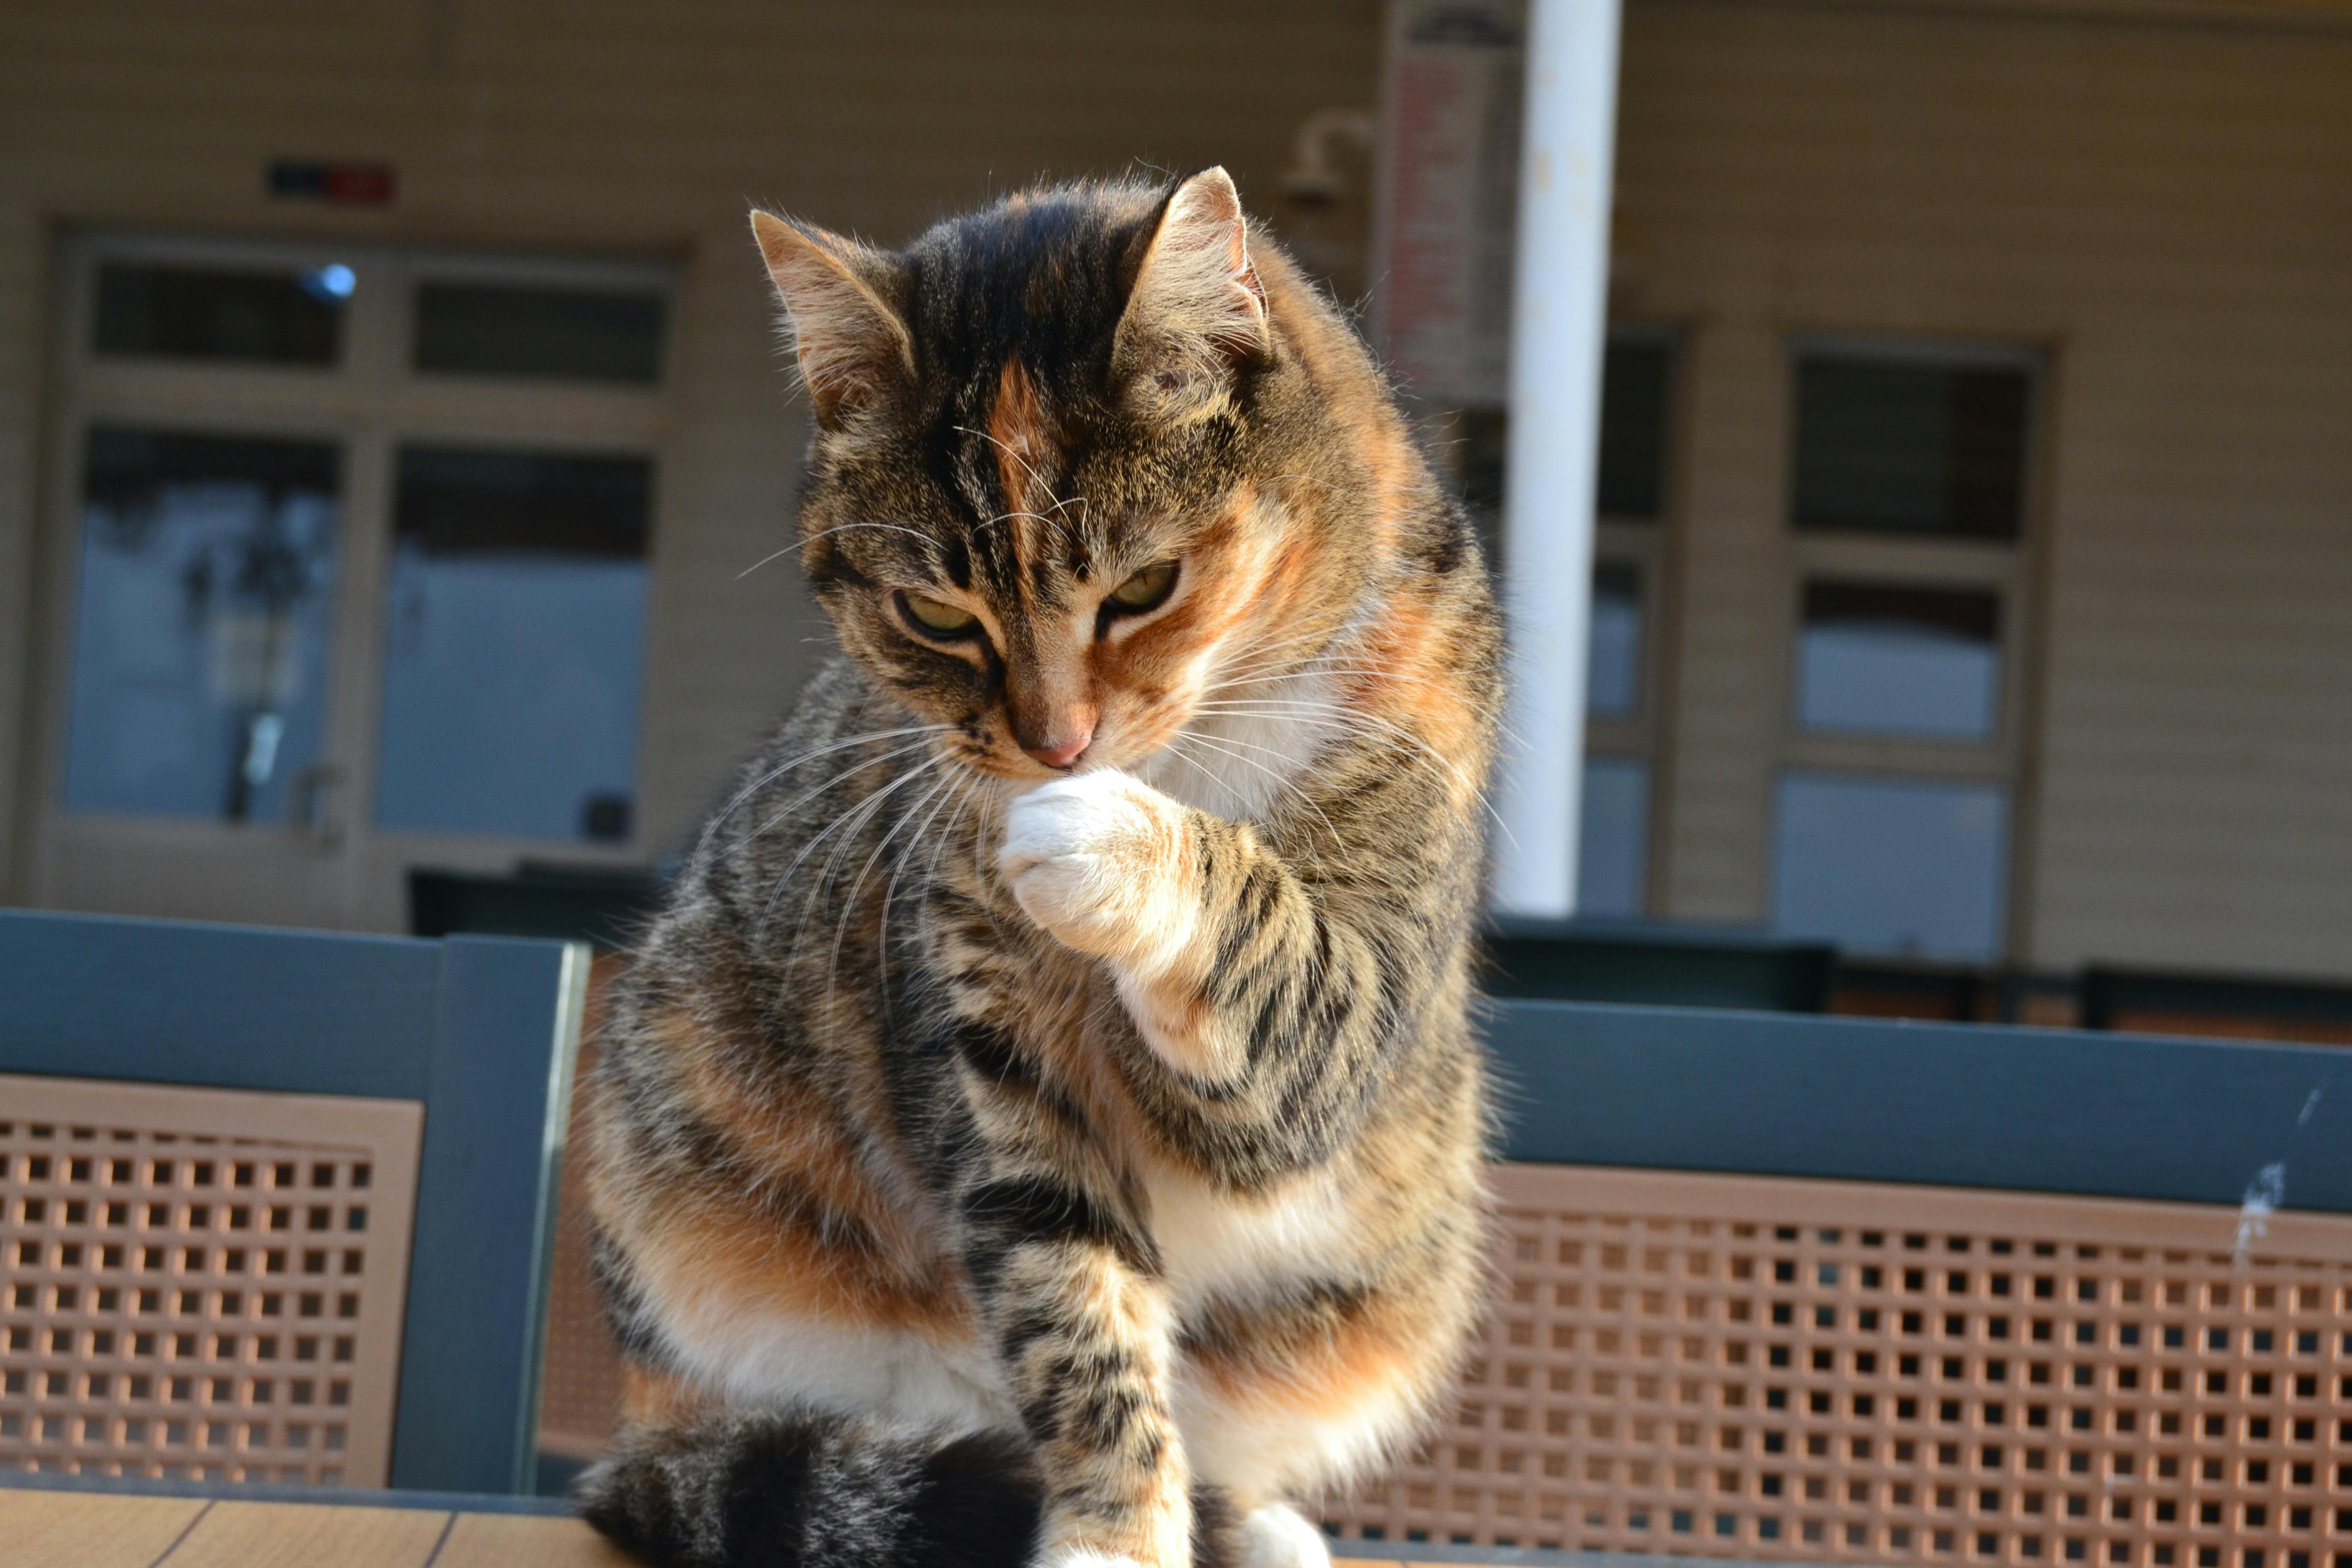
(1558, 321)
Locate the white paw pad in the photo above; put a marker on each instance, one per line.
(1276, 1536)
(1087, 857)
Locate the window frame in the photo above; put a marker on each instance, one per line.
(2009, 569)
(368, 404)
(1651, 546)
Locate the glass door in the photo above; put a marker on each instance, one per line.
(347, 574)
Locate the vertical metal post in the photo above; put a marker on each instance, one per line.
(1558, 322)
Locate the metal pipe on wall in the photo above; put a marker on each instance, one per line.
(1560, 310)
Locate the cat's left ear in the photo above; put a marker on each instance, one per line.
(854, 350)
(1197, 313)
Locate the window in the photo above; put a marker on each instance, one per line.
(1622, 721)
(1910, 447)
(1620, 690)
(1907, 867)
(1612, 676)
(1613, 835)
(495, 329)
(1876, 658)
(233, 315)
(206, 581)
(514, 636)
(1891, 818)
(1631, 463)
(351, 574)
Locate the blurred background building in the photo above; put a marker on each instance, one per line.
(396, 465)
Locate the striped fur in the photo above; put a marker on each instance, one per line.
(1044, 1125)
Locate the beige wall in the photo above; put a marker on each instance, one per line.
(22, 288)
(604, 126)
(2166, 207)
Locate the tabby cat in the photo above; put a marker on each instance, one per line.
(1044, 1126)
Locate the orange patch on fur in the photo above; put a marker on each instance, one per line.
(732, 1259)
(817, 1232)
(1023, 439)
(660, 1398)
(1408, 678)
(1322, 1365)
(1393, 471)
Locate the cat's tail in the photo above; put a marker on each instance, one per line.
(807, 1490)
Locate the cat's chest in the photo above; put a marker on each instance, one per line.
(1244, 750)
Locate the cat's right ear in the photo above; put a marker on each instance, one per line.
(854, 350)
(1197, 312)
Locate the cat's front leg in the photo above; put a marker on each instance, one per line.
(1069, 1286)
(1166, 894)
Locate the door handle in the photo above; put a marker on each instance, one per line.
(313, 826)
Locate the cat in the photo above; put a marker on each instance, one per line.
(1045, 1125)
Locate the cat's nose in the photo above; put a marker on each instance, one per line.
(1063, 745)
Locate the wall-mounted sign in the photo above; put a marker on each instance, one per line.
(1448, 189)
(352, 183)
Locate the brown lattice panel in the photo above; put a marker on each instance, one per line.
(580, 1382)
(1762, 1369)
(201, 1284)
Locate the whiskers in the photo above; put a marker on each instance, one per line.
(849, 818)
(1290, 681)
(745, 794)
(928, 800)
(1182, 744)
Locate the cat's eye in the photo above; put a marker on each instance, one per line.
(1147, 589)
(937, 616)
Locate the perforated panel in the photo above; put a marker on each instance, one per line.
(201, 1284)
(1764, 1369)
(580, 1385)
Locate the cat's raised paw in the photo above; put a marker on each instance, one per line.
(1098, 859)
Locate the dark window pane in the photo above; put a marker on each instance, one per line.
(255, 316)
(1613, 681)
(482, 329)
(1891, 866)
(201, 627)
(455, 500)
(1630, 480)
(514, 643)
(1632, 457)
(1922, 449)
(1877, 658)
(1612, 837)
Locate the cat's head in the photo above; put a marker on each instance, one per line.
(1083, 461)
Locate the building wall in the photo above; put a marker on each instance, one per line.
(2161, 199)
(22, 287)
(2164, 204)
(597, 126)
